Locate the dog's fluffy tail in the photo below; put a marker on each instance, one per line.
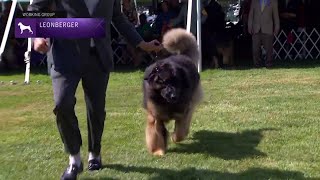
(179, 41)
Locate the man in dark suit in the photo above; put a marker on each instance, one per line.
(89, 60)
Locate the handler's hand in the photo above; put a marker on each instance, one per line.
(152, 46)
(41, 45)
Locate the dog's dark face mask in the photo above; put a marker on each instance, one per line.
(164, 80)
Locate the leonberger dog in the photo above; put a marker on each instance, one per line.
(171, 89)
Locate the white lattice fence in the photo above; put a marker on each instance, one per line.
(120, 53)
(300, 44)
(296, 45)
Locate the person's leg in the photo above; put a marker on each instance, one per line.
(256, 49)
(214, 48)
(64, 88)
(215, 62)
(94, 83)
(267, 41)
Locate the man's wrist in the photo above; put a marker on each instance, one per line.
(142, 45)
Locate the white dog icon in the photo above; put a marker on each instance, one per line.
(24, 27)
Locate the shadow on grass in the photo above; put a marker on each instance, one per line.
(194, 173)
(104, 178)
(228, 146)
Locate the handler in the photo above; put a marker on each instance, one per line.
(91, 61)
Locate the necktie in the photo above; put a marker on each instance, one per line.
(91, 5)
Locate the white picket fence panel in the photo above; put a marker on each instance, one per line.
(304, 45)
(120, 48)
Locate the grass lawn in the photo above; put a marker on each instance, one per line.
(252, 124)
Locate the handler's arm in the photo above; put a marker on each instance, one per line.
(42, 45)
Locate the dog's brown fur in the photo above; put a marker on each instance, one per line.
(176, 41)
(156, 132)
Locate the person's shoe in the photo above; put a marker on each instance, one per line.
(94, 164)
(72, 172)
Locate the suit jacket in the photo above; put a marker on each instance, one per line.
(70, 55)
(267, 20)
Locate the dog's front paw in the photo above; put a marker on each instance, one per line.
(158, 152)
(177, 138)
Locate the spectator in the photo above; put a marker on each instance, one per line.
(244, 14)
(312, 9)
(213, 31)
(289, 14)
(163, 19)
(174, 6)
(216, 17)
(9, 57)
(145, 31)
(301, 18)
(181, 19)
(129, 10)
(263, 24)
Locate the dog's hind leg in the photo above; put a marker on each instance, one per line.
(181, 127)
(156, 136)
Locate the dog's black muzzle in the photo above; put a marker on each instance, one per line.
(170, 94)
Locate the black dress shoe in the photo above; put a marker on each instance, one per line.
(94, 164)
(72, 172)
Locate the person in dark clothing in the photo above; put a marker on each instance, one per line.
(244, 15)
(216, 17)
(311, 17)
(163, 19)
(144, 29)
(289, 14)
(89, 61)
(9, 56)
(213, 31)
